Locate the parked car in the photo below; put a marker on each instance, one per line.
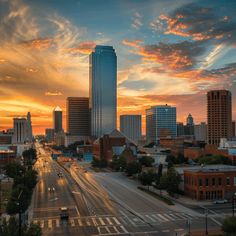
(64, 213)
(220, 201)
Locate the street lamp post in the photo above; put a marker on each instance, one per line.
(188, 223)
(233, 201)
(206, 214)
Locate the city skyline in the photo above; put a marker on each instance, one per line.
(163, 56)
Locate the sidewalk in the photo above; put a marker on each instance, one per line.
(203, 233)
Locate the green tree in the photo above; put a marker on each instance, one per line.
(133, 168)
(146, 161)
(170, 181)
(100, 163)
(229, 226)
(14, 169)
(215, 159)
(11, 228)
(159, 174)
(119, 163)
(146, 178)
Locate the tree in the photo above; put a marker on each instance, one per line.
(170, 181)
(159, 174)
(133, 168)
(118, 162)
(29, 155)
(100, 163)
(14, 169)
(11, 228)
(229, 226)
(146, 161)
(146, 178)
(215, 159)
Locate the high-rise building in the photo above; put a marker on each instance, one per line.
(102, 90)
(49, 134)
(160, 122)
(189, 120)
(200, 132)
(131, 126)
(234, 128)
(180, 129)
(29, 127)
(20, 127)
(219, 116)
(77, 109)
(57, 120)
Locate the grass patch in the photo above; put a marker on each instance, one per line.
(156, 195)
(6, 188)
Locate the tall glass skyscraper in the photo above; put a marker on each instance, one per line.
(160, 122)
(102, 90)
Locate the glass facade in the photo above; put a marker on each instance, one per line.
(160, 122)
(102, 90)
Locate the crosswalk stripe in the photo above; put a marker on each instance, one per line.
(162, 218)
(41, 223)
(49, 223)
(150, 218)
(154, 216)
(187, 216)
(101, 220)
(72, 222)
(88, 222)
(115, 219)
(124, 230)
(80, 222)
(180, 216)
(57, 222)
(109, 221)
(168, 217)
(94, 221)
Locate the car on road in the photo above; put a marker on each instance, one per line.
(220, 201)
(60, 175)
(64, 213)
(52, 189)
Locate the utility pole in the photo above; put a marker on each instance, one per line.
(206, 214)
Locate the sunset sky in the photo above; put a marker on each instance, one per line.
(168, 52)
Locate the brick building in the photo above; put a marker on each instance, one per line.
(111, 144)
(210, 182)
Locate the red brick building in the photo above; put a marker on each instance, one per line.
(210, 182)
(111, 144)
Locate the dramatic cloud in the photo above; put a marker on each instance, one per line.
(132, 43)
(137, 21)
(198, 23)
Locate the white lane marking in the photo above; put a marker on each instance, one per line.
(216, 221)
(178, 230)
(109, 221)
(88, 222)
(50, 224)
(165, 230)
(72, 222)
(94, 221)
(41, 223)
(123, 228)
(154, 216)
(150, 218)
(169, 217)
(107, 229)
(162, 217)
(77, 210)
(179, 216)
(57, 223)
(80, 222)
(101, 220)
(115, 219)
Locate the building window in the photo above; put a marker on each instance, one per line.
(227, 181)
(213, 181)
(200, 182)
(219, 181)
(206, 182)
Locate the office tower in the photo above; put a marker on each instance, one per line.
(131, 126)
(49, 134)
(160, 122)
(234, 128)
(102, 90)
(189, 120)
(219, 116)
(180, 129)
(20, 127)
(57, 120)
(189, 127)
(200, 132)
(29, 127)
(77, 109)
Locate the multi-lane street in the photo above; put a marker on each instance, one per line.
(103, 204)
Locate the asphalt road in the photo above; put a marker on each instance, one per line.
(103, 204)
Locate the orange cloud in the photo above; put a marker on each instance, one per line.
(132, 43)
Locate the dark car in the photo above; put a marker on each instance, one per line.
(64, 213)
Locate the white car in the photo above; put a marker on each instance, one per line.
(220, 201)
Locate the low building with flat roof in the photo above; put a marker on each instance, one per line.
(210, 182)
